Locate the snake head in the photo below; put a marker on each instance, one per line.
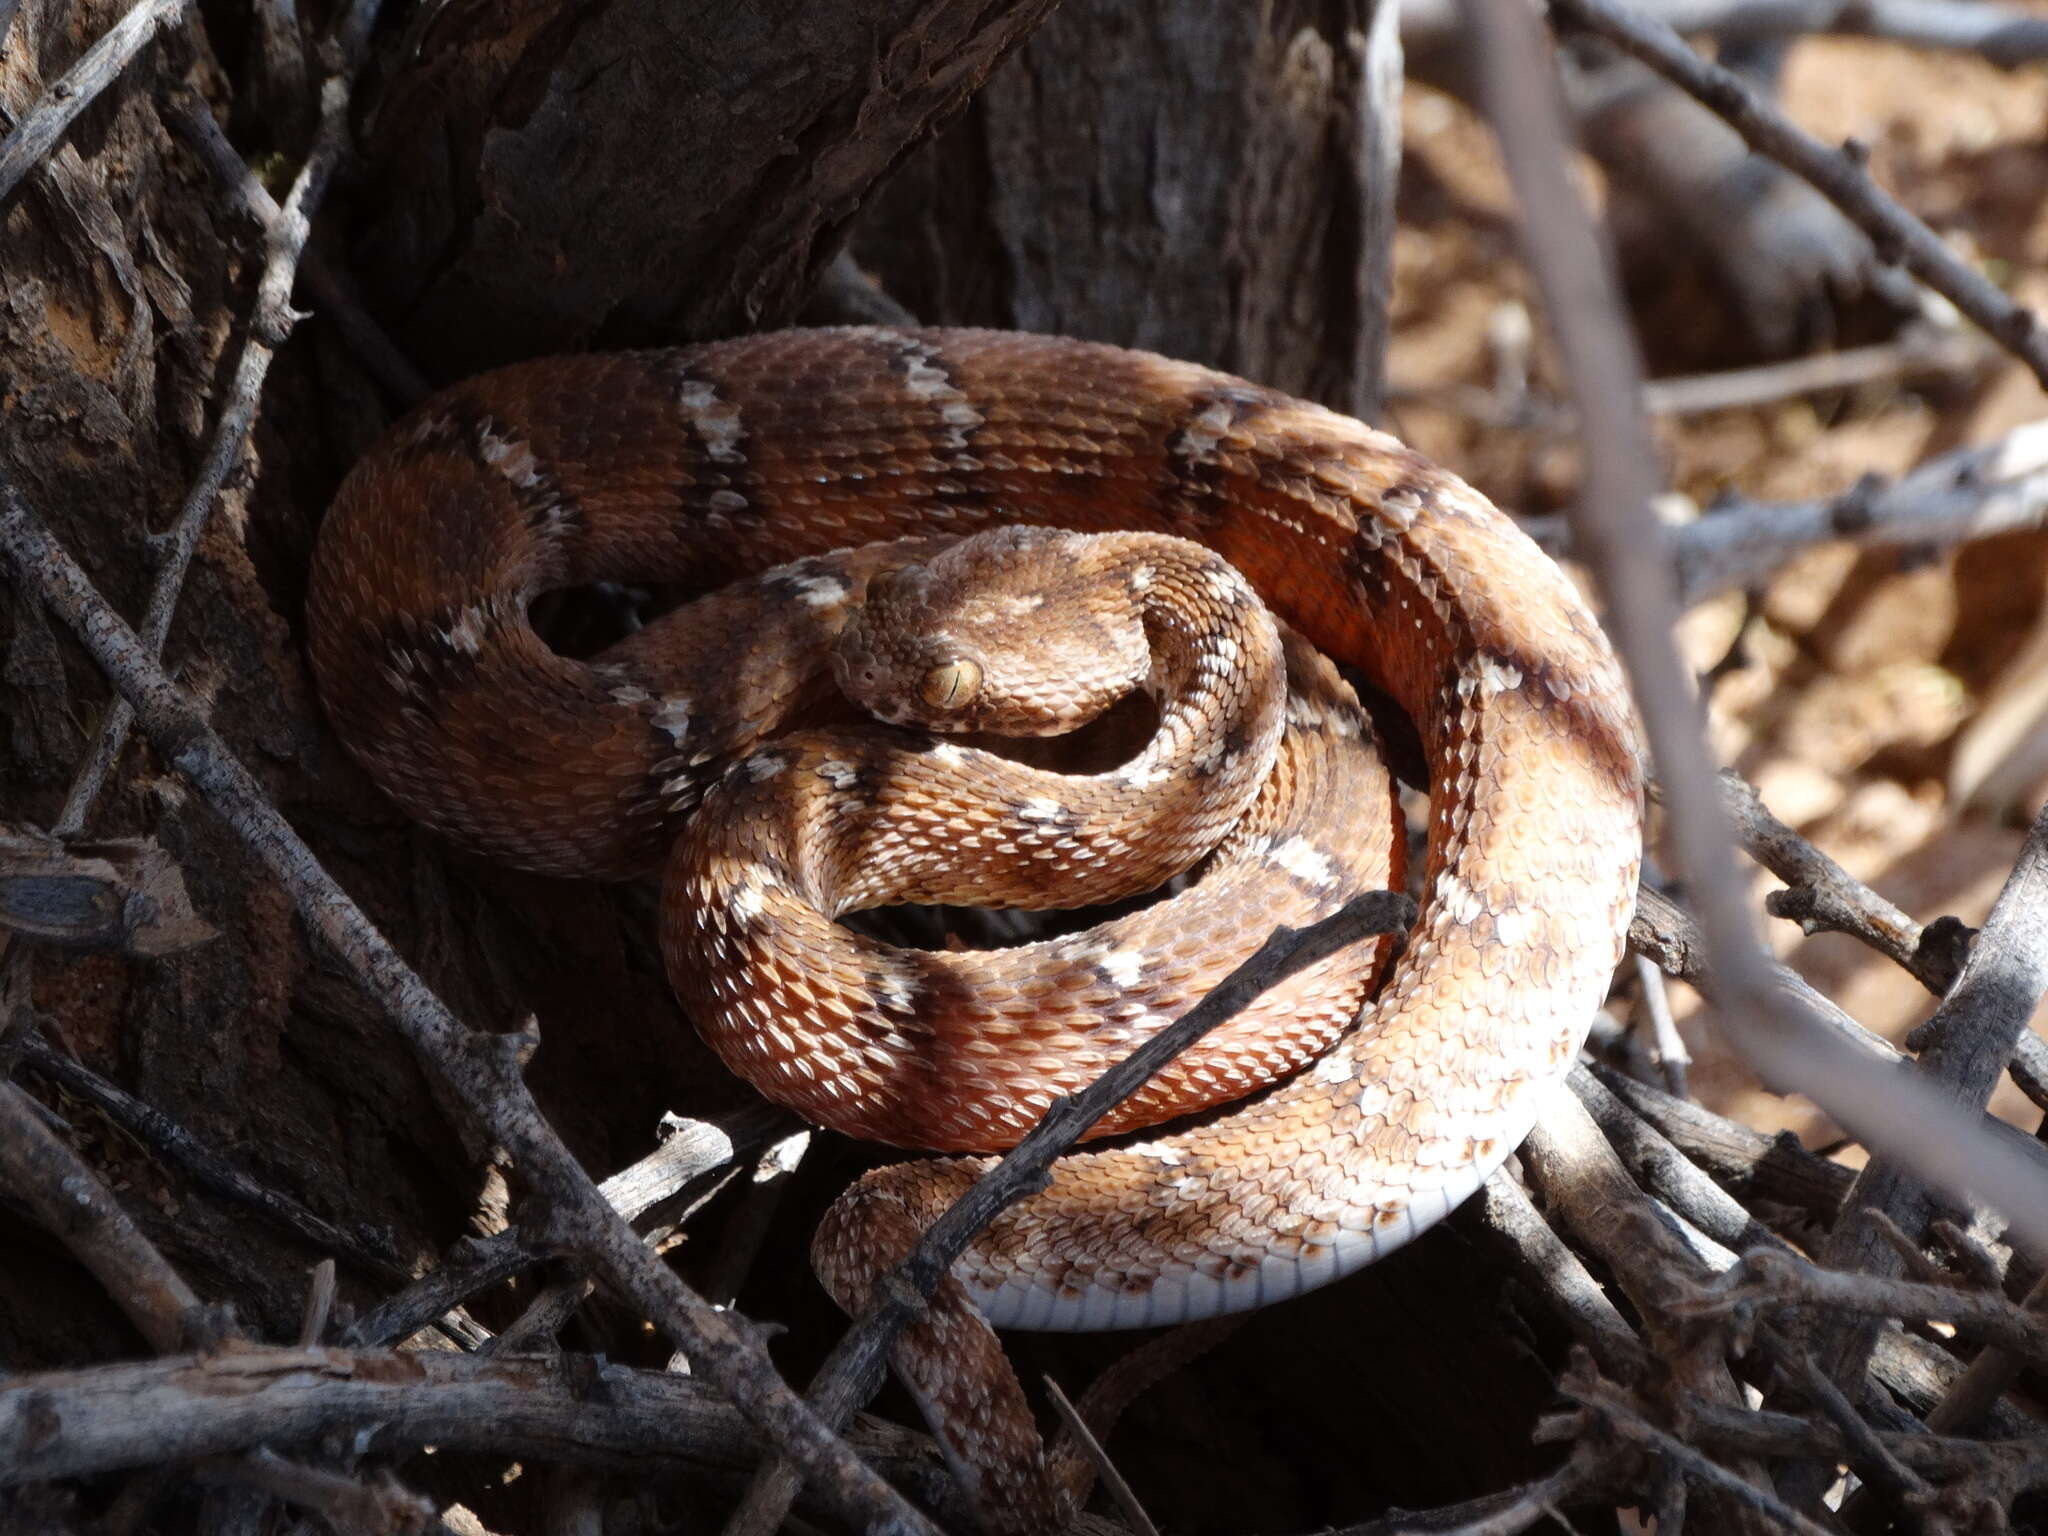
(1017, 632)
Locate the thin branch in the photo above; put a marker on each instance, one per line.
(1769, 1278)
(1970, 493)
(1546, 1264)
(44, 124)
(1970, 1040)
(1667, 1045)
(370, 1252)
(1824, 897)
(37, 1168)
(270, 323)
(481, 1073)
(1837, 174)
(1971, 1395)
(189, 118)
(1118, 1486)
(2004, 35)
(693, 1149)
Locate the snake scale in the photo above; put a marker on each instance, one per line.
(709, 464)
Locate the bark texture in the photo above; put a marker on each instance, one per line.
(1212, 182)
(551, 176)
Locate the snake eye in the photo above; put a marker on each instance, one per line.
(950, 683)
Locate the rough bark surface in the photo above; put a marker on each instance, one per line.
(1212, 182)
(552, 176)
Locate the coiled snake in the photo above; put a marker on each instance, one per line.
(707, 464)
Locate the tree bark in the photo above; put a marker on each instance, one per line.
(554, 176)
(1215, 182)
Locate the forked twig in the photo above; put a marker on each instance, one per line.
(1837, 174)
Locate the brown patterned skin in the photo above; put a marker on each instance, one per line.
(1261, 754)
(710, 463)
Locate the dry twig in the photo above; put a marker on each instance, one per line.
(1837, 174)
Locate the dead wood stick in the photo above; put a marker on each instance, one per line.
(1668, 1174)
(1973, 1393)
(270, 322)
(1545, 1263)
(123, 893)
(576, 1408)
(1837, 174)
(693, 1149)
(1746, 1492)
(1769, 1278)
(1821, 896)
(481, 1073)
(44, 123)
(1970, 1039)
(368, 1251)
(1760, 1168)
(70, 1201)
(1969, 493)
(853, 1371)
(2001, 34)
(1762, 1432)
(371, 1508)
(189, 118)
(1584, 1180)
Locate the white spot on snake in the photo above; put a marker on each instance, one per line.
(1019, 606)
(466, 634)
(1497, 676)
(765, 765)
(1200, 438)
(839, 773)
(510, 457)
(1039, 809)
(1510, 927)
(716, 421)
(1123, 966)
(1302, 859)
(925, 379)
(1401, 507)
(820, 591)
(1336, 1067)
(626, 693)
(673, 716)
(945, 752)
(1142, 578)
(1224, 585)
(898, 984)
(749, 901)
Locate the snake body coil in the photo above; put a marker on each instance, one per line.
(710, 463)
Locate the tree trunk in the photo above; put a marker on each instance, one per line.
(556, 176)
(1215, 182)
